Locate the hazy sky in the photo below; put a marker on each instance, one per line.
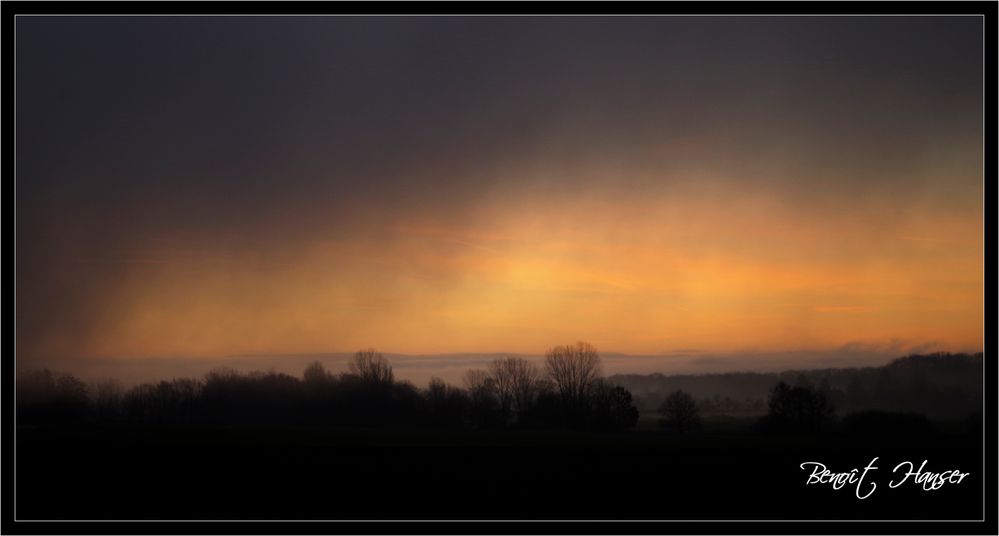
(203, 187)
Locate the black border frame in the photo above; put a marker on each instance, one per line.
(988, 9)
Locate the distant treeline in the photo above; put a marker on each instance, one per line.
(567, 392)
(939, 385)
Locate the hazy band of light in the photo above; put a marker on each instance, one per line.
(638, 272)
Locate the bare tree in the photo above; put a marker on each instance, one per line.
(484, 402)
(477, 380)
(517, 382)
(371, 367)
(481, 387)
(679, 411)
(315, 374)
(437, 390)
(572, 369)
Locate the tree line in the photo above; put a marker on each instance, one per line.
(940, 385)
(567, 392)
(806, 410)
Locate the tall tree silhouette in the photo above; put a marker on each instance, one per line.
(371, 367)
(572, 369)
(517, 382)
(484, 407)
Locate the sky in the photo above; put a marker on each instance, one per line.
(206, 187)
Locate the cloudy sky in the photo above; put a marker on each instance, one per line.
(205, 187)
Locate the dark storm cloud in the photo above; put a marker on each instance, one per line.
(231, 114)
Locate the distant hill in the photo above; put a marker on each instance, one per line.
(940, 385)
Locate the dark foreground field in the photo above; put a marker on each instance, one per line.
(316, 473)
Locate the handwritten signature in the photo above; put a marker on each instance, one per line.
(863, 481)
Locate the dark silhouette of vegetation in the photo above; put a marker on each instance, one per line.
(512, 393)
(610, 407)
(283, 446)
(46, 396)
(573, 369)
(517, 384)
(679, 412)
(942, 386)
(107, 396)
(371, 368)
(799, 409)
(484, 411)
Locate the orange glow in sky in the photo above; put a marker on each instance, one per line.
(631, 272)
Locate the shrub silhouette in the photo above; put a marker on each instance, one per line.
(679, 412)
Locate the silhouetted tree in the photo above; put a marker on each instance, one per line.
(611, 408)
(403, 403)
(517, 383)
(679, 412)
(315, 375)
(797, 409)
(478, 379)
(371, 367)
(166, 401)
(484, 406)
(445, 405)
(547, 412)
(228, 395)
(572, 369)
